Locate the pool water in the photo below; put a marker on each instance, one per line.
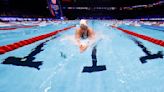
(128, 65)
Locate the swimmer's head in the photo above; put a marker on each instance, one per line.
(83, 24)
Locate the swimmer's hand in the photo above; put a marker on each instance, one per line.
(83, 47)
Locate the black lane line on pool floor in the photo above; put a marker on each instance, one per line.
(29, 59)
(94, 67)
(148, 53)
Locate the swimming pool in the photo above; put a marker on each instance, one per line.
(131, 63)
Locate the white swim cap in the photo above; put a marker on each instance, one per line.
(83, 22)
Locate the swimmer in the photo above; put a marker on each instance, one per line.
(84, 35)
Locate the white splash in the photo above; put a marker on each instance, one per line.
(47, 88)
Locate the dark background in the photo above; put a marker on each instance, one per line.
(39, 8)
(116, 3)
(25, 8)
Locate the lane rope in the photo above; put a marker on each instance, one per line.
(14, 28)
(10, 47)
(144, 37)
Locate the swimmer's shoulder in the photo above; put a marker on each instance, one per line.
(78, 29)
(90, 29)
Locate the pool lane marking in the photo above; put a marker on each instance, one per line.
(148, 53)
(94, 67)
(28, 60)
(144, 37)
(16, 45)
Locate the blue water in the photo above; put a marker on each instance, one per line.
(63, 63)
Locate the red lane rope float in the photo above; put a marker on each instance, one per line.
(13, 28)
(13, 46)
(8, 28)
(28, 26)
(144, 37)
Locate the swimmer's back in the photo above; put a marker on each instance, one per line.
(80, 34)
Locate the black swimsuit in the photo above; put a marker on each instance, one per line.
(84, 35)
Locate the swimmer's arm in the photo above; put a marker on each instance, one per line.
(91, 34)
(77, 36)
